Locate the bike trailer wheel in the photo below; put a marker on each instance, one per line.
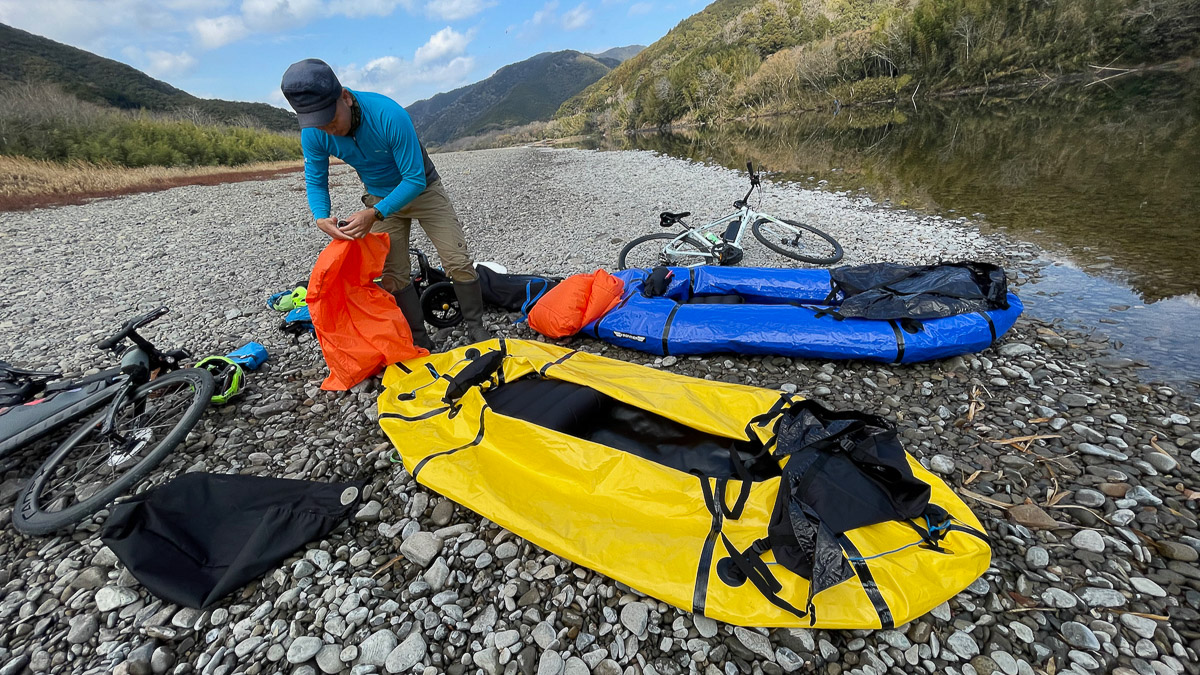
(439, 304)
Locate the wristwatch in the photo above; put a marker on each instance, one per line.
(378, 215)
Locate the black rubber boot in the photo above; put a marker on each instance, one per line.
(470, 301)
(410, 304)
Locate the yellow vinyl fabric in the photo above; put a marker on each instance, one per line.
(645, 524)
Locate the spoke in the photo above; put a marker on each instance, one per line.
(91, 458)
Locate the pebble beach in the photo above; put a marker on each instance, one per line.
(1086, 477)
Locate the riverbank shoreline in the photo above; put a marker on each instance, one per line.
(1084, 476)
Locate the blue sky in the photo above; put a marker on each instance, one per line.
(408, 49)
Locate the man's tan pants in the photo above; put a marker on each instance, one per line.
(435, 213)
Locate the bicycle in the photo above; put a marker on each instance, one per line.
(146, 407)
(704, 246)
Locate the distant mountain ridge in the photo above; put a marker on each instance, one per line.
(517, 94)
(29, 58)
(621, 54)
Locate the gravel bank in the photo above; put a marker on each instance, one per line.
(1094, 525)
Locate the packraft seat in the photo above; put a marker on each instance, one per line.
(585, 413)
(554, 404)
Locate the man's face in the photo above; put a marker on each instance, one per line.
(340, 124)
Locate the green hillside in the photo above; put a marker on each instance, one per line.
(26, 58)
(739, 58)
(517, 94)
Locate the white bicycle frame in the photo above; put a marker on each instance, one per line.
(704, 235)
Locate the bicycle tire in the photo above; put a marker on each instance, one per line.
(663, 237)
(439, 305)
(833, 257)
(31, 515)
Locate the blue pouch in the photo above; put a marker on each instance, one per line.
(297, 321)
(249, 356)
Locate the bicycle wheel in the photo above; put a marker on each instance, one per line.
(439, 304)
(789, 240)
(650, 251)
(90, 469)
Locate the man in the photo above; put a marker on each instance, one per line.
(375, 135)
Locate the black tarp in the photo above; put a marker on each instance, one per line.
(512, 291)
(199, 537)
(889, 291)
(846, 470)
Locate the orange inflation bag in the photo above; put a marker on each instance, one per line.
(359, 326)
(574, 303)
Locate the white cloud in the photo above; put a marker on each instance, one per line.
(453, 10)
(577, 18)
(219, 31)
(94, 25)
(545, 14)
(194, 5)
(165, 64)
(640, 8)
(392, 76)
(280, 14)
(443, 44)
(362, 8)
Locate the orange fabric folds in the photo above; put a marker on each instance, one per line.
(359, 326)
(574, 303)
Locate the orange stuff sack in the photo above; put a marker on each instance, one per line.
(359, 326)
(574, 303)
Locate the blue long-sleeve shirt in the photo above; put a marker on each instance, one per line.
(383, 149)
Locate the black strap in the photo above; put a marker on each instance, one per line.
(967, 529)
(700, 593)
(423, 416)
(932, 538)
(743, 492)
(478, 438)
(991, 325)
(899, 340)
(667, 328)
(824, 311)
(863, 570)
(564, 357)
(760, 575)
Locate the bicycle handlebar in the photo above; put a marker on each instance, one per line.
(130, 328)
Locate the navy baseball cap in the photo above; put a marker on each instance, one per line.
(312, 90)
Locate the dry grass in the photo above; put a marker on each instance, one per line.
(27, 183)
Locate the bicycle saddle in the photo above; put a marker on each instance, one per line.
(667, 219)
(5, 367)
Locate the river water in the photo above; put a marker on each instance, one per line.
(1106, 178)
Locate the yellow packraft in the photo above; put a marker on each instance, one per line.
(669, 483)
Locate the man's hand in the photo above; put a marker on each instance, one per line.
(330, 227)
(359, 223)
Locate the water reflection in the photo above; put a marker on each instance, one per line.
(1109, 174)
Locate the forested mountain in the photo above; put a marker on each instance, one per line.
(747, 57)
(517, 94)
(28, 58)
(620, 54)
